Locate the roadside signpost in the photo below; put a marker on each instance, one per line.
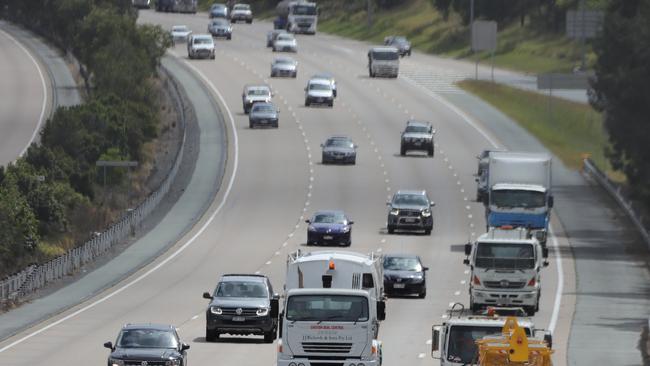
(583, 24)
(550, 81)
(484, 38)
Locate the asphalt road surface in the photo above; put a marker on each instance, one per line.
(23, 98)
(278, 181)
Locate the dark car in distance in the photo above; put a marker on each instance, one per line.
(417, 135)
(220, 27)
(263, 114)
(242, 304)
(401, 43)
(339, 149)
(404, 274)
(329, 227)
(147, 344)
(410, 210)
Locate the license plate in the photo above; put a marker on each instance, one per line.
(399, 285)
(328, 237)
(320, 100)
(238, 318)
(263, 121)
(418, 143)
(409, 220)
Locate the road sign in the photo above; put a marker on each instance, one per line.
(116, 163)
(484, 35)
(563, 81)
(584, 23)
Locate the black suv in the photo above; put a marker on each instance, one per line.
(417, 136)
(147, 344)
(242, 304)
(410, 210)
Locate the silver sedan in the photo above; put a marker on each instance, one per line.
(284, 66)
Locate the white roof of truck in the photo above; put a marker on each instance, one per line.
(487, 321)
(326, 255)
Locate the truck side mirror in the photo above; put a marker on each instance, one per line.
(551, 201)
(466, 262)
(548, 338)
(381, 310)
(280, 323)
(545, 252)
(275, 308)
(435, 339)
(206, 295)
(468, 249)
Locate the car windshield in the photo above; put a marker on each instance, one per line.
(180, 29)
(339, 143)
(258, 92)
(411, 199)
(147, 338)
(505, 256)
(402, 264)
(399, 40)
(241, 7)
(219, 22)
(304, 10)
(338, 308)
(241, 289)
(285, 37)
(329, 218)
(384, 55)
(263, 108)
(416, 129)
(284, 61)
(202, 40)
(319, 86)
(509, 198)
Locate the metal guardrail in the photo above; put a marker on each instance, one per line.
(34, 277)
(615, 191)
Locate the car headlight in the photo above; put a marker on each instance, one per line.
(311, 228)
(216, 310)
(394, 212)
(426, 213)
(115, 362)
(346, 229)
(262, 312)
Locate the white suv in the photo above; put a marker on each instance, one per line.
(319, 91)
(200, 46)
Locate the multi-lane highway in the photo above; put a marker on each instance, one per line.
(23, 98)
(275, 180)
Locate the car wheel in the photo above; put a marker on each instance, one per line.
(249, 21)
(422, 294)
(212, 57)
(272, 74)
(275, 124)
(331, 104)
(211, 335)
(402, 150)
(294, 75)
(307, 103)
(354, 161)
(268, 337)
(427, 231)
(430, 152)
(391, 230)
(229, 38)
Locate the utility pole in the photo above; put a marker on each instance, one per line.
(583, 36)
(369, 12)
(471, 24)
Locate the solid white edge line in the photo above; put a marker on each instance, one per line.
(40, 74)
(560, 270)
(560, 282)
(179, 250)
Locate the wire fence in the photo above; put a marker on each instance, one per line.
(34, 277)
(616, 192)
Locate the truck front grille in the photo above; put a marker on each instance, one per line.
(504, 284)
(409, 213)
(244, 311)
(318, 347)
(139, 363)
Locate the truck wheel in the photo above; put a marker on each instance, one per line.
(530, 310)
(251, 125)
(211, 335)
(331, 104)
(473, 307)
(269, 336)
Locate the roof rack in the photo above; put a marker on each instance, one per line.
(243, 275)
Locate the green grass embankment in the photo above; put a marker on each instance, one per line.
(519, 48)
(567, 129)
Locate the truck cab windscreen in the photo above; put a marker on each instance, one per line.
(336, 308)
(384, 56)
(304, 10)
(462, 342)
(507, 198)
(505, 256)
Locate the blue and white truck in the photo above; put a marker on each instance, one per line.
(519, 192)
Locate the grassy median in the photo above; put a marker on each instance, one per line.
(568, 129)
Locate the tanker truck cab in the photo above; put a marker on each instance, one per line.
(454, 341)
(328, 326)
(520, 191)
(505, 269)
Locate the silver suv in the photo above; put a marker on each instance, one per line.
(417, 136)
(410, 210)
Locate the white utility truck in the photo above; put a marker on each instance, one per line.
(454, 341)
(383, 61)
(505, 269)
(520, 195)
(333, 304)
(297, 16)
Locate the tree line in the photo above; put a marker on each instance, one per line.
(49, 193)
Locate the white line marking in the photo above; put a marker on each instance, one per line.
(560, 283)
(41, 117)
(179, 250)
(457, 293)
(195, 317)
(421, 355)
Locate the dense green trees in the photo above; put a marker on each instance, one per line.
(56, 179)
(622, 89)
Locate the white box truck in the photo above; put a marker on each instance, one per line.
(520, 191)
(505, 269)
